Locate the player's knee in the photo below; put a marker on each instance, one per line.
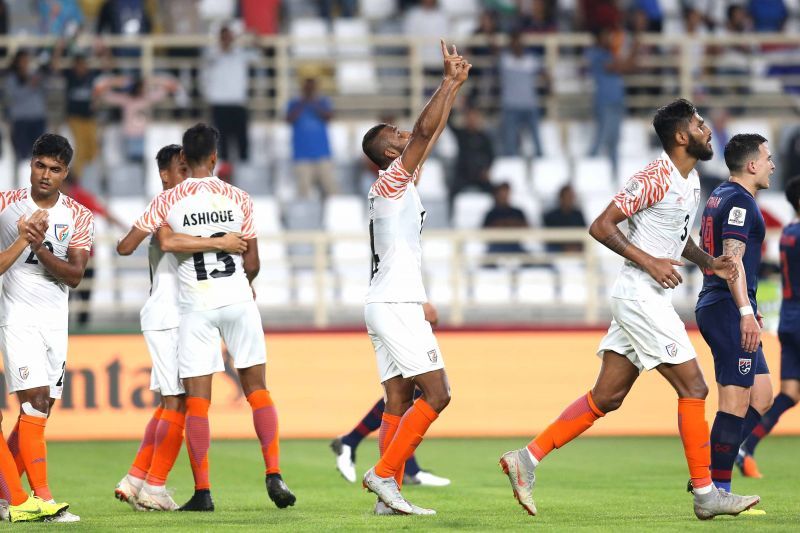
(609, 402)
(438, 401)
(763, 405)
(697, 390)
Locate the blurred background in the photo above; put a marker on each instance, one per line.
(555, 116)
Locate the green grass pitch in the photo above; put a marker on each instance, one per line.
(594, 484)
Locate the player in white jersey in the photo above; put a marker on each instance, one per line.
(406, 350)
(216, 303)
(143, 487)
(33, 304)
(659, 204)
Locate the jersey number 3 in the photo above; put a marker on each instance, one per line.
(200, 264)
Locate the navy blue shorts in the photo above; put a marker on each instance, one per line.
(790, 354)
(719, 325)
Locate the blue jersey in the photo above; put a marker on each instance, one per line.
(731, 213)
(790, 272)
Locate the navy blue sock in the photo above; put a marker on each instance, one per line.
(781, 404)
(751, 420)
(726, 435)
(412, 468)
(368, 424)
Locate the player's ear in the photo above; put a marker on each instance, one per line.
(391, 153)
(681, 137)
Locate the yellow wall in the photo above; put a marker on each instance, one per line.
(504, 383)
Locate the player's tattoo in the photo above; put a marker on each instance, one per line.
(733, 247)
(616, 241)
(697, 256)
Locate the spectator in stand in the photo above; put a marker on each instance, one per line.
(60, 17)
(475, 154)
(309, 115)
(504, 215)
(733, 60)
(225, 80)
(136, 103)
(520, 74)
(651, 9)
(537, 16)
(330, 9)
(426, 22)
(26, 102)
(768, 15)
(606, 69)
(482, 56)
(72, 188)
(565, 215)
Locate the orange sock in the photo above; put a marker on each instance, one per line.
(575, 419)
(409, 434)
(166, 447)
(141, 464)
(13, 446)
(265, 422)
(389, 424)
(198, 439)
(10, 484)
(696, 441)
(33, 449)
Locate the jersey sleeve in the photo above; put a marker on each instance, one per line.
(154, 216)
(736, 218)
(393, 182)
(83, 237)
(9, 197)
(248, 227)
(643, 189)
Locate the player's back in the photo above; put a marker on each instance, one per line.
(731, 212)
(396, 217)
(206, 207)
(30, 294)
(790, 273)
(660, 205)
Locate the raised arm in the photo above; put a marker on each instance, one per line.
(748, 325)
(170, 241)
(434, 115)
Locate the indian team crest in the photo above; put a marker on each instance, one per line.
(672, 349)
(23, 372)
(745, 365)
(62, 232)
(433, 356)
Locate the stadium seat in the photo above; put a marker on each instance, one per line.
(548, 176)
(447, 146)
(253, 179)
(157, 135)
(305, 287)
(272, 284)
(340, 137)
(551, 137)
(309, 38)
(280, 140)
(572, 281)
(432, 184)
(634, 138)
(580, 135)
(351, 36)
(463, 26)
(259, 137)
(511, 170)
(346, 215)
(128, 180)
(356, 76)
(377, 9)
(491, 286)
(470, 208)
(593, 176)
(460, 7)
(536, 286)
(736, 126)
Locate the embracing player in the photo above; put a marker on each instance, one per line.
(216, 303)
(726, 311)
(659, 203)
(143, 487)
(788, 334)
(405, 346)
(33, 305)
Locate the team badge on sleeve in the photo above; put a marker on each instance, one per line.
(62, 232)
(633, 188)
(744, 366)
(736, 216)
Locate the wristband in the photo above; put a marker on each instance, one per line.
(746, 310)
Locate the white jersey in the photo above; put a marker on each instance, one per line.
(31, 295)
(160, 311)
(205, 207)
(661, 205)
(396, 217)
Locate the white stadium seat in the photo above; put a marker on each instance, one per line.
(309, 38)
(432, 185)
(549, 175)
(593, 176)
(634, 138)
(470, 208)
(377, 9)
(352, 36)
(157, 135)
(340, 137)
(580, 135)
(346, 214)
(536, 286)
(356, 76)
(550, 135)
(491, 286)
(460, 7)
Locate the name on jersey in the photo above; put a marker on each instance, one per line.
(215, 217)
(713, 202)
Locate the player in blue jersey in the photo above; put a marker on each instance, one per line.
(788, 334)
(726, 310)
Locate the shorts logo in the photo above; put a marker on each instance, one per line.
(744, 366)
(433, 356)
(62, 232)
(736, 216)
(672, 349)
(23, 372)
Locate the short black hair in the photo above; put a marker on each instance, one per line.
(53, 145)
(165, 155)
(741, 149)
(199, 142)
(374, 148)
(669, 119)
(793, 192)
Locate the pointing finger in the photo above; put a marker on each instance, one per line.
(445, 53)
